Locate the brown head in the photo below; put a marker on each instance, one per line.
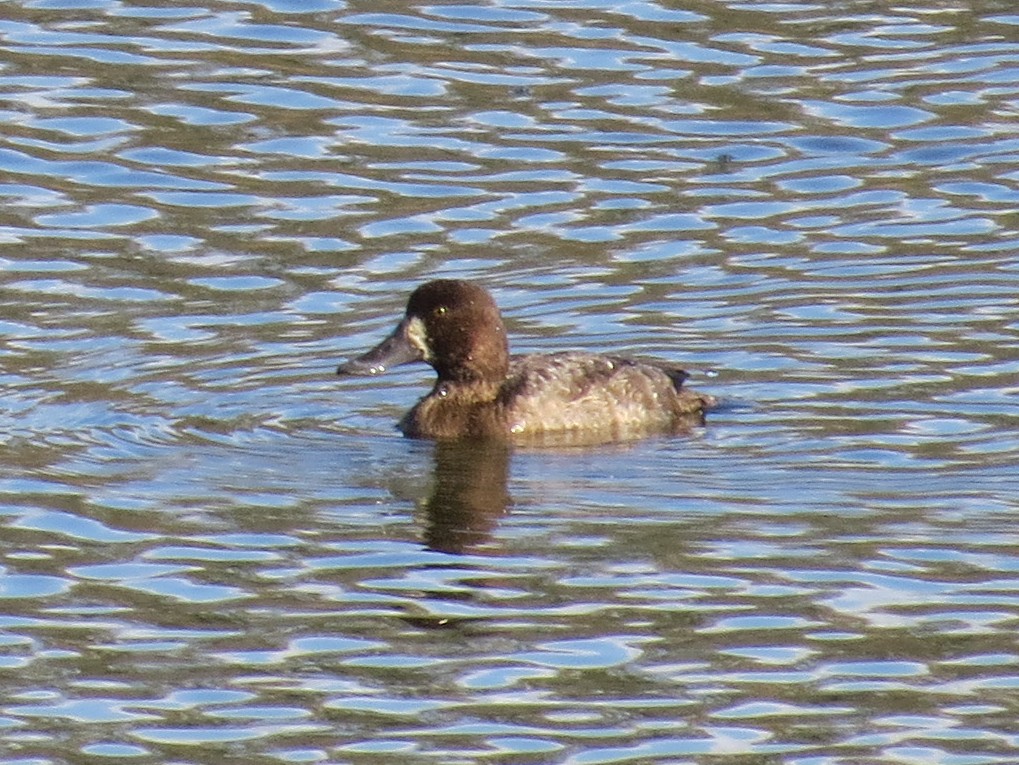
(451, 324)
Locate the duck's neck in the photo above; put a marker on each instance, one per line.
(464, 392)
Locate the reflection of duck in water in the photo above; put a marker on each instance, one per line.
(469, 495)
(559, 398)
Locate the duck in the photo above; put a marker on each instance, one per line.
(483, 392)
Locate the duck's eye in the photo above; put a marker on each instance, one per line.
(441, 310)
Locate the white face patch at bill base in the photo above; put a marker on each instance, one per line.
(417, 336)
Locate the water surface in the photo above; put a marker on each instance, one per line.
(214, 551)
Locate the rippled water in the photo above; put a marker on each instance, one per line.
(215, 551)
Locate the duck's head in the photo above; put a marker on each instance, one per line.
(451, 324)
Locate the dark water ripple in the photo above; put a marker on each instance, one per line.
(212, 550)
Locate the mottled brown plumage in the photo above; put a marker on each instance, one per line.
(558, 398)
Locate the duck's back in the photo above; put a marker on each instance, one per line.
(591, 397)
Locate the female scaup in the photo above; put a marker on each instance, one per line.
(483, 392)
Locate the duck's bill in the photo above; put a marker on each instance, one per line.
(391, 352)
